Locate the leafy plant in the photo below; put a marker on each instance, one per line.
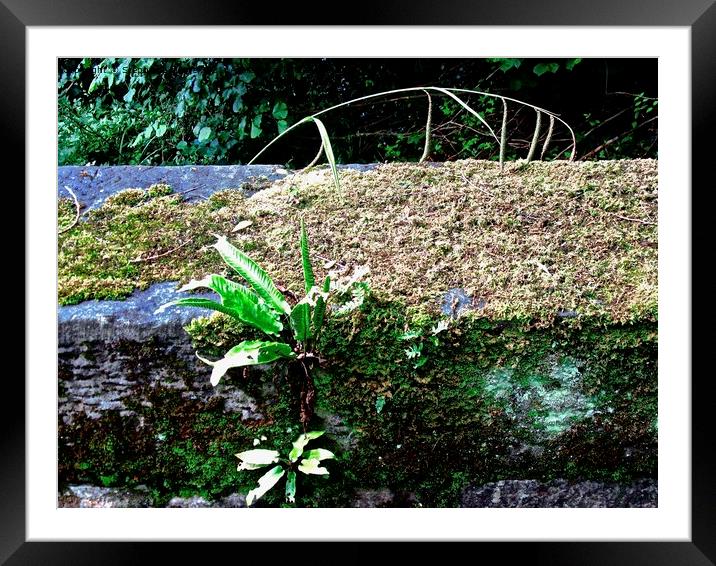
(262, 306)
(308, 462)
(418, 340)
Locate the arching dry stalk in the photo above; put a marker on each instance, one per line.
(535, 136)
(548, 138)
(450, 93)
(315, 159)
(503, 135)
(428, 126)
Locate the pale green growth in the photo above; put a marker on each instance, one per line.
(308, 463)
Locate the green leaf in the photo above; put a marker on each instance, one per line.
(244, 304)
(571, 63)
(182, 146)
(542, 68)
(266, 482)
(161, 130)
(300, 443)
(257, 277)
(308, 277)
(204, 134)
(318, 454)
(319, 312)
(256, 127)
(237, 105)
(379, 404)
(253, 459)
(247, 76)
(280, 110)
(291, 487)
(129, 96)
(248, 353)
(197, 302)
(312, 467)
(282, 125)
(301, 321)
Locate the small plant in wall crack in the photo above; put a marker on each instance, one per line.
(292, 330)
(307, 462)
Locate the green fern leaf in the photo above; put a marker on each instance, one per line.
(248, 353)
(301, 321)
(242, 303)
(257, 277)
(308, 277)
(319, 313)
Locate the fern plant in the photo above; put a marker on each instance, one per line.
(292, 331)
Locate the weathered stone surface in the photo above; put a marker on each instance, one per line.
(113, 352)
(562, 493)
(93, 496)
(131, 319)
(93, 184)
(85, 496)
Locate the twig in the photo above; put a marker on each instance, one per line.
(616, 138)
(77, 210)
(473, 185)
(157, 256)
(633, 219)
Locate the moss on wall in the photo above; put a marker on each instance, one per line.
(525, 243)
(493, 400)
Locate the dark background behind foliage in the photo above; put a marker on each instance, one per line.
(223, 111)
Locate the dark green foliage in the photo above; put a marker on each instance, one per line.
(215, 111)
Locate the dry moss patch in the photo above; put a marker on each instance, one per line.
(526, 243)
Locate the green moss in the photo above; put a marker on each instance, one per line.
(525, 242)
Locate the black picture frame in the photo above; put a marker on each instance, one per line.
(698, 15)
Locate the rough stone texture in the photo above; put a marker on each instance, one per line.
(562, 493)
(93, 496)
(93, 184)
(85, 496)
(100, 368)
(131, 319)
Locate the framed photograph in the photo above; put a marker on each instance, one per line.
(637, 490)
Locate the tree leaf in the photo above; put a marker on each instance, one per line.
(301, 321)
(280, 110)
(571, 63)
(242, 303)
(266, 482)
(204, 134)
(256, 127)
(308, 277)
(237, 105)
(248, 353)
(291, 487)
(242, 225)
(257, 277)
(300, 443)
(312, 467)
(542, 68)
(161, 129)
